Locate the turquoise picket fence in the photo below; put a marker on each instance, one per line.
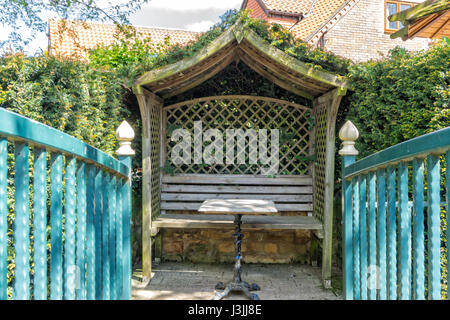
(392, 218)
(64, 216)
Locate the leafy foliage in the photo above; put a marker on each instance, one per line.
(129, 55)
(70, 96)
(275, 34)
(399, 98)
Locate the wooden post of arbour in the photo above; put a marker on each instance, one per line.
(148, 102)
(348, 134)
(331, 101)
(125, 135)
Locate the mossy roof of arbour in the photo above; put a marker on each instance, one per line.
(240, 43)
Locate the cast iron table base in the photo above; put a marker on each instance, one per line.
(237, 284)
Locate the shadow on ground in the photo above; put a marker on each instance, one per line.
(185, 281)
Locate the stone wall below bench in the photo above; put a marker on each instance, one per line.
(217, 246)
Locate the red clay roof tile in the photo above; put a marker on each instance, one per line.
(75, 38)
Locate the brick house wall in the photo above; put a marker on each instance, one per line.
(257, 11)
(360, 35)
(357, 32)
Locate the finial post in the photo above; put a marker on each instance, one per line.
(125, 135)
(348, 134)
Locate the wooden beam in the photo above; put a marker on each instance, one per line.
(183, 78)
(284, 72)
(282, 83)
(237, 189)
(333, 100)
(185, 64)
(146, 100)
(235, 179)
(291, 198)
(236, 97)
(420, 11)
(415, 29)
(293, 63)
(440, 29)
(181, 221)
(207, 75)
(330, 95)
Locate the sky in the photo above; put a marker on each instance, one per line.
(194, 15)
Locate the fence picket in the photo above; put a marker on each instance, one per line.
(126, 205)
(56, 272)
(408, 256)
(98, 233)
(363, 235)
(112, 236)
(22, 223)
(105, 238)
(372, 230)
(40, 224)
(434, 215)
(69, 228)
(3, 218)
(81, 232)
(418, 231)
(392, 233)
(347, 232)
(405, 232)
(356, 243)
(90, 234)
(381, 232)
(89, 241)
(119, 239)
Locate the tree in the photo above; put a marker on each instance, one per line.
(32, 15)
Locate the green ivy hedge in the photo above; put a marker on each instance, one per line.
(71, 96)
(401, 97)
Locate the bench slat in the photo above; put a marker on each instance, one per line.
(206, 196)
(235, 189)
(236, 179)
(194, 206)
(226, 221)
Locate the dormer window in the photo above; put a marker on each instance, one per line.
(392, 7)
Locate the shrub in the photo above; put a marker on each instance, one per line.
(401, 97)
(67, 95)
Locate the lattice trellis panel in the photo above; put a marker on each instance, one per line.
(155, 127)
(320, 163)
(244, 112)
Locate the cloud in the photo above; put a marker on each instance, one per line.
(192, 5)
(200, 26)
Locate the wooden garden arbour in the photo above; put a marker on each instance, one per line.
(240, 43)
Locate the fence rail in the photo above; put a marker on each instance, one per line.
(392, 250)
(64, 216)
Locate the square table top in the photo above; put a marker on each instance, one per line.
(238, 206)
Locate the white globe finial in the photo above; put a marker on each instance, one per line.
(348, 134)
(125, 134)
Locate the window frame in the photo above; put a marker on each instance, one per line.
(398, 4)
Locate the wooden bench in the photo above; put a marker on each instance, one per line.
(187, 192)
(182, 195)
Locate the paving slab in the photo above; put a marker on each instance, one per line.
(187, 281)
